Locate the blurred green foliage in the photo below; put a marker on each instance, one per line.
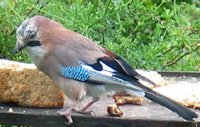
(150, 34)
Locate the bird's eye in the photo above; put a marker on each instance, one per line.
(32, 34)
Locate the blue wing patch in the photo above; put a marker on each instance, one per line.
(75, 72)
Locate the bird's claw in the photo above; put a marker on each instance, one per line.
(84, 112)
(67, 114)
(69, 118)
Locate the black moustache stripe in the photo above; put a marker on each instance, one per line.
(33, 43)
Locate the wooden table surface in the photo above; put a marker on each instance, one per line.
(147, 115)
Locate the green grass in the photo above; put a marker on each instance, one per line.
(162, 35)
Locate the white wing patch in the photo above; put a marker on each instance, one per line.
(87, 67)
(106, 69)
(103, 72)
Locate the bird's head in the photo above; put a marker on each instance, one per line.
(27, 34)
(40, 36)
(31, 35)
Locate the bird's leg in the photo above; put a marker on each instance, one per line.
(89, 104)
(83, 110)
(67, 113)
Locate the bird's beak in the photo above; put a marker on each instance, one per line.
(19, 47)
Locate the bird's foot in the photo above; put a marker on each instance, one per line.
(67, 114)
(83, 112)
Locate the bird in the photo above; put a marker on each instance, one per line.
(81, 67)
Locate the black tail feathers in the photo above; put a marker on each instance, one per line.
(172, 105)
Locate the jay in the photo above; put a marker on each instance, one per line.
(82, 68)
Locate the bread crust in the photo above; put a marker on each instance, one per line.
(23, 84)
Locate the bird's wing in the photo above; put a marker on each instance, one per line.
(122, 66)
(90, 62)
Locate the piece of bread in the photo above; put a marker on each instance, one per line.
(184, 90)
(154, 77)
(114, 110)
(25, 85)
(124, 98)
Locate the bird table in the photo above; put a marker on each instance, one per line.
(146, 115)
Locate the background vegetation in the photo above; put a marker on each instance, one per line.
(161, 35)
(150, 34)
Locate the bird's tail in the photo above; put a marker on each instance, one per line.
(169, 103)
